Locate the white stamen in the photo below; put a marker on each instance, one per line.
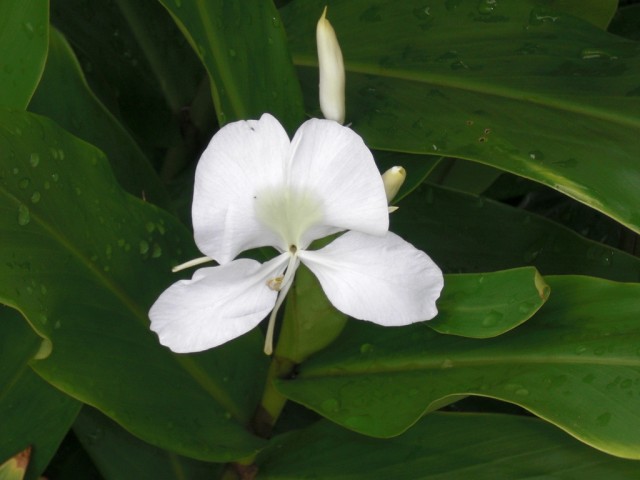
(191, 263)
(286, 283)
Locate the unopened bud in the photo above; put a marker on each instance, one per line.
(393, 180)
(331, 71)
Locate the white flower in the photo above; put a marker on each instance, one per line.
(255, 188)
(331, 67)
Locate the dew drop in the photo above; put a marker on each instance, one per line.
(492, 318)
(156, 252)
(55, 177)
(522, 392)
(28, 28)
(486, 7)
(34, 159)
(366, 348)
(24, 183)
(150, 227)
(143, 247)
(446, 363)
(24, 217)
(330, 405)
(596, 53)
(604, 419)
(232, 53)
(35, 197)
(536, 155)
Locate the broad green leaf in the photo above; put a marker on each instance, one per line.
(136, 61)
(575, 364)
(488, 305)
(24, 27)
(243, 46)
(466, 176)
(83, 261)
(522, 88)
(311, 322)
(466, 233)
(442, 447)
(64, 96)
(598, 12)
(121, 456)
(32, 412)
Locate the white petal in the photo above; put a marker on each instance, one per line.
(384, 280)
(332, 162)
(243, 158)
(217, 305)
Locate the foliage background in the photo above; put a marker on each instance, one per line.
(518, 125)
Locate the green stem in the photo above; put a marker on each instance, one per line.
(272, 401)
(265, 418)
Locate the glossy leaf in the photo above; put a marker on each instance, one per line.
(467, 233)
(576, 364)
(598, 12)
(32, 412)
(24, 27)
(488, 305)
(491, 85)
(121, 456)
(442, 447)
(243, 46)
(83, 261)
(64, 96)
(136, 61)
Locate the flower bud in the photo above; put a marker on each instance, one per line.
(332, 76)
(393, 180)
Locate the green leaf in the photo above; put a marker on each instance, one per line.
(311, 322)
(243, 46)
(576, 364)
(121, 456)
(494, 87)
(24, 27)
(466, 233)
(83, 261)
(442, 447)
(136, 61)
(64, 96)
(32, 412)
(598, 12)
(488, 305)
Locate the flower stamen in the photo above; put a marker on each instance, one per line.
(285, 284)
(191, 263)
(275, 283)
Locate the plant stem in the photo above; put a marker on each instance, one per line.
(272, 401)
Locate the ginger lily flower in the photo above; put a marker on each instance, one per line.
(254, 188)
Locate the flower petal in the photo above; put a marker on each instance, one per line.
(332, 162)
(243, 158)
(384, 280)
(217, 305)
